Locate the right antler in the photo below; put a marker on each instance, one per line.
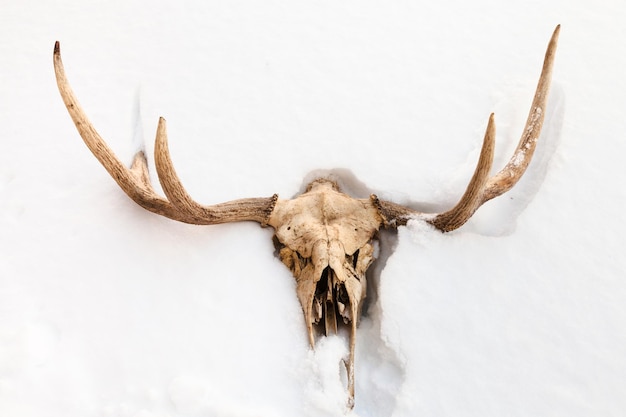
(482, 188)
(136, 181)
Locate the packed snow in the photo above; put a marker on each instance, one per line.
(109, 310)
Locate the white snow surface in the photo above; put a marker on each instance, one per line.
(109, 310)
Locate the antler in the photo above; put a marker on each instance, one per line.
(482, 188)
(135, 181)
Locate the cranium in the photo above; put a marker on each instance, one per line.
(325, 237)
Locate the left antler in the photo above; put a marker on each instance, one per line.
(482, 188)
(135, 181)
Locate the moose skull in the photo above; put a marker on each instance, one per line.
(325, 237)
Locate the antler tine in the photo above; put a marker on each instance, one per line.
(255, 209)
(482, 188)
(472, 198)
(135, 182)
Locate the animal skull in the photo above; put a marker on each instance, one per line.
(325, 237)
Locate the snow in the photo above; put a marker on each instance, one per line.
(108, 310)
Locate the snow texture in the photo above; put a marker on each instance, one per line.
(108, 310)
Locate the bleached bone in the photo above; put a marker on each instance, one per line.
(325, 237)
